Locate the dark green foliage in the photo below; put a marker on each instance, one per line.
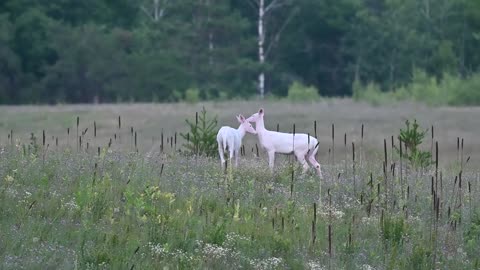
(412, 138)
(216, 234)
(420, 258)
(393, 229)
(115, 51)
(202, 137)
(472, 236)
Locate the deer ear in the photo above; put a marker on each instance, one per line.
(261, 111)
(241, 118)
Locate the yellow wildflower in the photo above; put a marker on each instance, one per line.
(9, 178)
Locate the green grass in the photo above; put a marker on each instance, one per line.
(63, 208)
(64, 213)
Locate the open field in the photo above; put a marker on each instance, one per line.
(148, 120)
(70, 208)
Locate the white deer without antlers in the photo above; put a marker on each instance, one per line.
(302, 145)
(231, 138)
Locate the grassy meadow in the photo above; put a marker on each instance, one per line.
(122, 203)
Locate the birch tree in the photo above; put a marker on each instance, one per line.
(265, 9)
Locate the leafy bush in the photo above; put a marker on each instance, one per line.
(371, 93)
(430, 90)
(298, 92)
(201, 139)
(449, 90)
(192, 95)
(468, 91)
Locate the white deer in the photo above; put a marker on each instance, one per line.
(304, 147)
(231, 138)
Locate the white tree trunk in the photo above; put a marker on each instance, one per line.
(210, 48)
(210, 36)
(262, 53)
(155, 13)
(261, 42)
(156, 10)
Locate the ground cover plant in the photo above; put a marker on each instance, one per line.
(114, 206)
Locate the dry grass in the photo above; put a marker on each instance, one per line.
(149, 119)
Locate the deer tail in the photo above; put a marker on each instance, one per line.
(224, 141)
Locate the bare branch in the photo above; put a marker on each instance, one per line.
(273, 5)
(253, 4)
(277, 35)
(162, 11)
(142, 7)
(157, 11)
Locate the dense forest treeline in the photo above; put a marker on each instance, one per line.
(161, 50)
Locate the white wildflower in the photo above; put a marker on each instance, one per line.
(367, 267)
(232, 238)
(332, 212)
(314, 265)
(368, 220)
(268, 263)
(157, 249)
(12, 192)
(181, 255)
(71, 205)
(214, 251)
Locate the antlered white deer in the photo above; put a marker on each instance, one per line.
(231, 138)
(302, 145)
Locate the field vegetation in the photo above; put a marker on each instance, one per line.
(133, 202)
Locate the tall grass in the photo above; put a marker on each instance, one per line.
(124, 210)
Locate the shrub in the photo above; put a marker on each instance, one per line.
(468, 91)
(192, 95)
(357, 88)
(371, 93)
(449, 90)
(298, 92)
(430, 90)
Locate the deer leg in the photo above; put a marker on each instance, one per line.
(271, 159)
(301, 159)
(236, 158)
(315, 164)
(220, 152)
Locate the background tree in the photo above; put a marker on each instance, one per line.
(154, 50)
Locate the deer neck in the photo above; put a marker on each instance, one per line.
(241, 131)
(260, 126)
